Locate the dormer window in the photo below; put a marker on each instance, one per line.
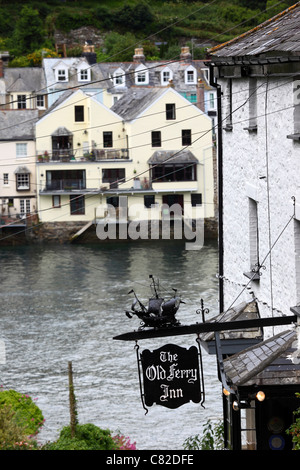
(190, 76)
(61, 75)
(119, 77)
(166, 76)
(141, 75)
(84, 75)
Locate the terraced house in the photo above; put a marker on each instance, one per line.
(151, 147)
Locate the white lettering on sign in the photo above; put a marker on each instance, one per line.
(170, 393)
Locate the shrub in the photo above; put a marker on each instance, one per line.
(87, 437)
(27, 415)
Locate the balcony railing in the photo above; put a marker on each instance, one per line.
(65, 185)
(68, 155)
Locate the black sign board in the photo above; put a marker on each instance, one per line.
(171, 376)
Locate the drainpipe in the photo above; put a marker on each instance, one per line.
(214, 84)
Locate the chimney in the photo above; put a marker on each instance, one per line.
(200, 95)
(185, 54)
(88, 51)
(138, 55)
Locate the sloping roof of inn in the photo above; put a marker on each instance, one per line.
(280, 35)
(271, 362)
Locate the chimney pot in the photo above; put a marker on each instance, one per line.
(138, 55)
(185, 53)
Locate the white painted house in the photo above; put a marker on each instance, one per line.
(257, 79)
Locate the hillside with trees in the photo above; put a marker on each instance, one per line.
(29, 30)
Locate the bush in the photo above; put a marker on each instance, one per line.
(87, 437)
(27, 415)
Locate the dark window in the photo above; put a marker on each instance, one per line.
(113, 201)
(156, 139)
(21, 101)
(179, 172)
(170, 111)
(107, 139)
(186, 136)
(77, 205)
(79, 113)
(23, 181)
(149, 201)
(113, 176)
(196, 199)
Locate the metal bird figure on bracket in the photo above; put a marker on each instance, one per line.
(159, 312)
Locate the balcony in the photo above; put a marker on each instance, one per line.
(65, 185)
(71, 155)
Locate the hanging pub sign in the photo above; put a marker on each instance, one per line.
(171, 376)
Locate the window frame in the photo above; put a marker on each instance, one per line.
(79, 113)
(19, 146)
(173, 172)
(21, 102)
(79, 202)
(149, 200)
(107, 139)
(23, 181)
(156, 138)
(170, 111)
(186, 137)
(56, 205)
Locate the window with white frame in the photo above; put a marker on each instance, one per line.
(166, 76)
(5, 178)
(119, 77)
(24, 206)
(23, 181)
(21, 150)
(253, 241)
(141, 75)
(61, 75)
(190, 75)
(84, 75)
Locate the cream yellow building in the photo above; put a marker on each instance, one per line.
(153, 148)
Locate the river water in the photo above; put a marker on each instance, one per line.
(66, 303)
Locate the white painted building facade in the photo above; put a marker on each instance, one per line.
(260, 168)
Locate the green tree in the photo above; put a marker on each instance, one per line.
(28, 33)
(120, 47)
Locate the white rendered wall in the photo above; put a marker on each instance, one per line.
(263, 166)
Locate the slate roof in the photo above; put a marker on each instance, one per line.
(21, 79)
(18, 124)
(135, 101)
(275, 361)
(243, 311)
(280, 35)
(72, 63)
(172, 156)
(154, 68)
